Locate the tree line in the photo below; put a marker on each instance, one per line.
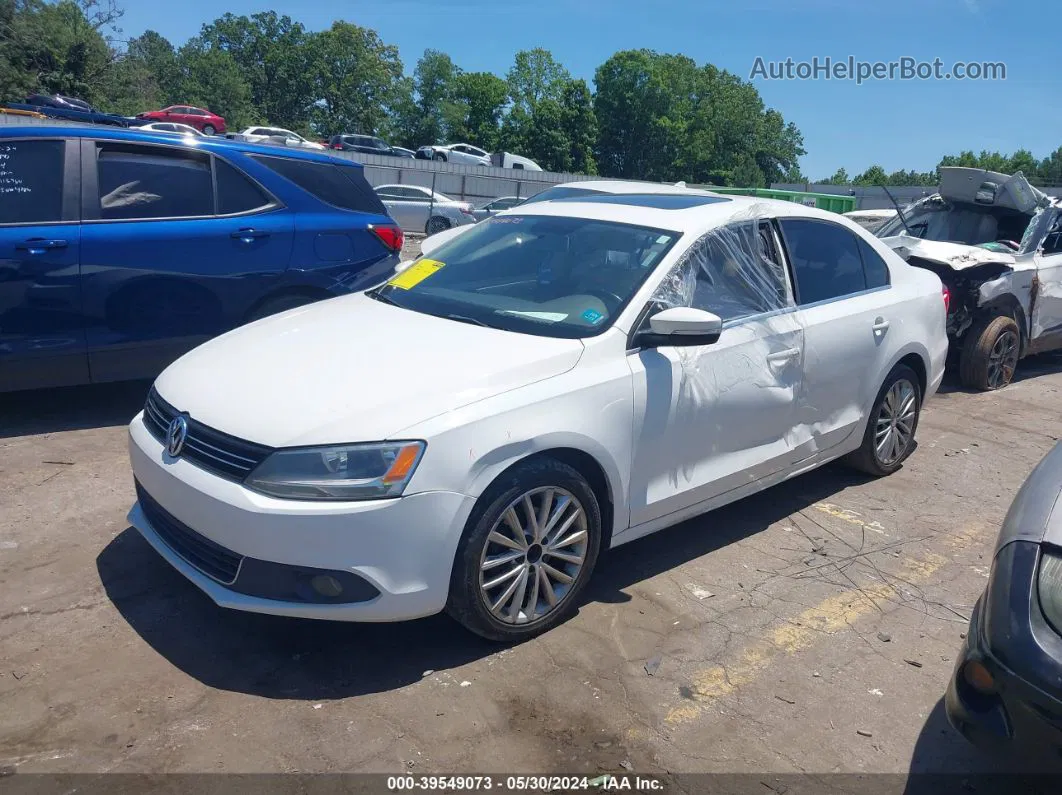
(648, 115)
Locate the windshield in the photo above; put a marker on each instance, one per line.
(561, 193)
(971, 224)
(546, 275)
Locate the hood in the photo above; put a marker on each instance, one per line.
(1036, 515)
(352, 369)
(956, 256)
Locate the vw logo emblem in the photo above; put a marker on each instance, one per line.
(176, 434)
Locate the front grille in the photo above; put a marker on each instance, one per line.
(212, 450)
(214, 560)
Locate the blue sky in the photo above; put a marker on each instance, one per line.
(897, 124)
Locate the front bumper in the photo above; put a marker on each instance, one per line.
(403, 548)
(1010, 637)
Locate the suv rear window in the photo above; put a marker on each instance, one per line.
(31, 181)
(341, 186)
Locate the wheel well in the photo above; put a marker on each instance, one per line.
(312, 293)
(587, 466)
(916, 363)
(1008, 306)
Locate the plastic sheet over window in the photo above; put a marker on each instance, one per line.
(733, 272)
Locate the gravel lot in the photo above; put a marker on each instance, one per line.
(811, 628)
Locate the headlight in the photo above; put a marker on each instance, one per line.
(1050, 587)
(342, 472)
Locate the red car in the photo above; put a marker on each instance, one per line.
(203, 120)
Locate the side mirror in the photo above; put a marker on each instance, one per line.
(682, 326)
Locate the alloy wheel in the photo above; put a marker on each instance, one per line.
(894, 427)
(533, 556)
(1003, 360)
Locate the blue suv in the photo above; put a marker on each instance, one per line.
(120, 250)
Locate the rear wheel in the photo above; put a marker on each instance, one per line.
(527, 552)
(275, 306)
(890, 433)
(990, 354)
(209, 129)
(436, 224)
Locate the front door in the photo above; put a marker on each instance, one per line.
(710, 419)
(163, 269)
(42, 333)
(1047, 305)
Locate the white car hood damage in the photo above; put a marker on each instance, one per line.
(956, 256)
(352, 369)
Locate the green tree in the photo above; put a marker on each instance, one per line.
(475, 110)
(875, 175)
(423, 116)
(840, 177)
(534, 77)
(357, 78)
(209, 78)
(155, 54)
(273, 54)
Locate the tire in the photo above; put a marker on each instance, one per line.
(439, 156)
(888, 419)
(514, 618)
(209, 129)
(436, 224)
(990, 354)
(275, 306)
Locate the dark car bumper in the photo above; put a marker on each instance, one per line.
(1010, 637)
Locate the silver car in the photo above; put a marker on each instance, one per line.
(496, 206)
(418, 209)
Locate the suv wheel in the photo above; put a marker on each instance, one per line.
(528, 550)
(889, 437)
(990, 354)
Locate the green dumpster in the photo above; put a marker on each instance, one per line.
(824, 201)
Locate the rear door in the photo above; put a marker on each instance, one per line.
(177, 245)
(42, 334)
(846, 306)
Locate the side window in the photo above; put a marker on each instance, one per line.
(236, 193)
(339, 185)
(728, 272)
(414, 195)
(825, 258)
(874, 268)
(151, 182)
(31, 181)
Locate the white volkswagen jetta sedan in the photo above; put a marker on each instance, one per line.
(562, 378)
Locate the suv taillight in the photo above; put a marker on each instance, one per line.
(390, 236)
(947, 298)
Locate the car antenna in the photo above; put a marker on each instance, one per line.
(896, 204)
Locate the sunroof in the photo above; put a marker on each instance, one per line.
(658, 201)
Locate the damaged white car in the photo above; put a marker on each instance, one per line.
(996, 243)
(560, 379)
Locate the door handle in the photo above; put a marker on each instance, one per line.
(248, 235)
(38, 245)
(880, 326)
(782, 357)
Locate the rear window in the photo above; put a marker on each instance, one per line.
(31, 181)
(236, 193)
(341, 186)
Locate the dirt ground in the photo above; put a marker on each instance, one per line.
(810, 628)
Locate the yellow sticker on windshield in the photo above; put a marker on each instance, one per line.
(416, 273)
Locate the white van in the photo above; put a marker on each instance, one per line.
(508, 160)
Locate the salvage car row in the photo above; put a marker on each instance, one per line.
(564, 377)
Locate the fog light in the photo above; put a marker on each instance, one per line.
(326, 585)
(978, 677)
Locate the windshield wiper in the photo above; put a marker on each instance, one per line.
(462, 319)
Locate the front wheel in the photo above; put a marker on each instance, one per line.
(209, 129)
(890, 434)
(436, 224)
(439, 156)
(528, 550)
(990, 354)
